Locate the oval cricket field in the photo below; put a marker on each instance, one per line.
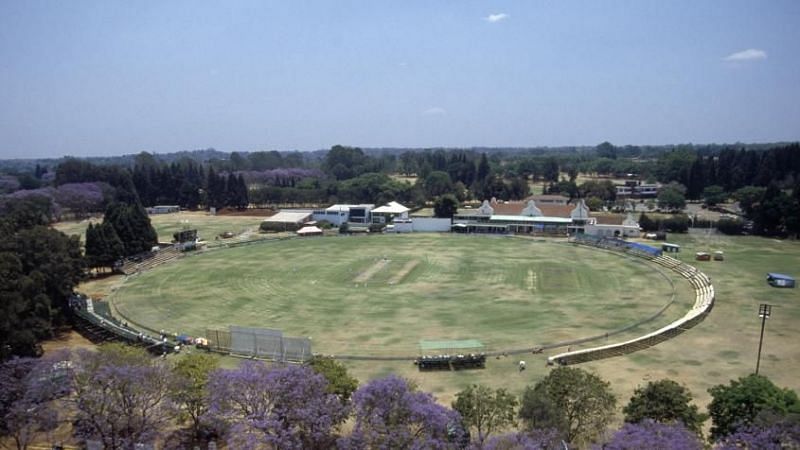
(380, 295)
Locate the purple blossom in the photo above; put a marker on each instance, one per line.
(285, 408)
(775, 437)
(48, 177)
(29, 389)
(534, 440)
(389, 414)
(25, 193)
(45, 192)
(80, 197)
(119, 403)
(653, 435)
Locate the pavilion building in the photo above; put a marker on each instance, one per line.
(528, 217)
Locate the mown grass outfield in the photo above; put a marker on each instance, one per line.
(721, 348)
(379, 295)
(207, 226)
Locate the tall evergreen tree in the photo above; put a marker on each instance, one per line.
(132, 226)
(696, 180)
(243, 197)
(231, 190)
(92, 247)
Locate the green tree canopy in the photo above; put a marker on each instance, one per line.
(606, 150)
(344, 162)
(594, 204)
(188, 388)
(340, 382)
(103, 247)
(486, 410)
(577, 403)
(713, 195)
(671, 197)
(664, 401)
(132, 226)
(438, 183)
(748, 196)
(445, 206)
(744, 399)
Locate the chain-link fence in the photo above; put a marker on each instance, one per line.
(260, 343)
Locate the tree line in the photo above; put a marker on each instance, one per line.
(39, 267)
(349, 174)
(119, 396)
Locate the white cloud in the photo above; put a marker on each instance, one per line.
(493, 18)
(434, 111)
(751, 54)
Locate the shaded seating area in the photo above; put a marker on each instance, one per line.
(459, 355)
(451, 362)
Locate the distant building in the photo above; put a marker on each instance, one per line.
(515, 217)
(387, 213)
(339, 214)
(529, 217)
(548, 199)
(629, 227)
(163, 209)
(637, 189)
(286, 221)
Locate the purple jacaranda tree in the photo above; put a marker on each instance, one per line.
(29, 391)
(533, 440)
(777, 436)
(81, 198)
(45, 192)
(648, 434)
(391, 415)
(258, 407)
(120, 397)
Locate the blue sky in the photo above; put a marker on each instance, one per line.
(112, 77)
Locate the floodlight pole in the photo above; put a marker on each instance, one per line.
(764, 311)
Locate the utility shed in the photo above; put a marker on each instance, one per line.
(670, 248)
(780, 280)
(286, 221)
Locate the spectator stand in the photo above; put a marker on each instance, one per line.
(94, 319)
(451, 355)
(704, 302)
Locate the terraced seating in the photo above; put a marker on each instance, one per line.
(704, 302)
(133, 266)
(104, 328)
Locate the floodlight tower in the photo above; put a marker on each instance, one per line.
(764, 311)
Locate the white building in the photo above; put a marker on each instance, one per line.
(628, 228)
(339, 214)
(553, 219)
(389, 212)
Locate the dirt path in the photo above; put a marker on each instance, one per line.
(405, 270)
(364, 276)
